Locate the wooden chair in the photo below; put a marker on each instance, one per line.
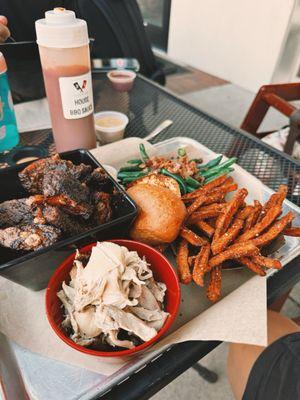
(277, 96)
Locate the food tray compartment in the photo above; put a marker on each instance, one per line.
(33, 269)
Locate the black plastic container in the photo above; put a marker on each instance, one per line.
(33, 269)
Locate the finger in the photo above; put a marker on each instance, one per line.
(4, 33)
(3, 20)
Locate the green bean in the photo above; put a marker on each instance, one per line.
(128, 168)
(192, 182)
(213, 163)
(224, 171)
(135, 161)
(189, 189)
(143, 153)
(181, 152)
(130, 174)
(228, 162)
(215, 170)
(177, 178)
(128, 180)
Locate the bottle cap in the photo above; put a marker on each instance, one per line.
(61, 29)
(3, 66)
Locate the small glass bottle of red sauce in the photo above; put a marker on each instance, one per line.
(65, 57)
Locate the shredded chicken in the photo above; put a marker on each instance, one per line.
(114, 293)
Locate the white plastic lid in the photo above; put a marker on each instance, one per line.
(61, 29)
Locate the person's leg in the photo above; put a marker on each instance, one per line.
(279, 303)
(241, 357)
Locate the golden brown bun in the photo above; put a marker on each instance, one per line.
(160, 216)
(158, 180)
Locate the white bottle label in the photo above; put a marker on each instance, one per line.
(77, 96)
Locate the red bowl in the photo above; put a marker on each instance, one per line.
(163, 272)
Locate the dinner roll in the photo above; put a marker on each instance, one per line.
(161, 214)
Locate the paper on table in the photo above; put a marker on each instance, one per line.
(33, 115)
(23, 320)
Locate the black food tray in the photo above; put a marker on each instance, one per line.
(33, 269)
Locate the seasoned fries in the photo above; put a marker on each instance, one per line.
(225, 218)
(233, 252)
(226, 188)
(267, 220)
(266, 262)
(214, 288)
(201, 265)
(211, 211)
(245, 212)
(229, 236)
(204, 227)
(207, 188)
(197, 203)
(256, 268)
(276, 198)
(192, 237)
(274, 231)
(233, 231)
(292, 231)
(184, 273)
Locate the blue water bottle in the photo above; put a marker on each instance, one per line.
(9, 135)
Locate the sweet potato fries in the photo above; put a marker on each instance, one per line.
(217, 231)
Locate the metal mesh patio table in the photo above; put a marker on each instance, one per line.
(147, 105)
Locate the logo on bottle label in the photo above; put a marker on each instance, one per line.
(76, 96)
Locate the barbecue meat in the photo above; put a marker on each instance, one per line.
(67, 223)
(62, 190)
(98, 179)
(29, 237)
(15, 212)
(32, 176)
(102, 212)
(62, 182)
(65, 199)
(68, 205)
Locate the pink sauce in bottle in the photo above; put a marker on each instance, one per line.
(65, 58)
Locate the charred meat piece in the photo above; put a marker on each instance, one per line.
(62, 182)
(15, 212)
(81, 172)
(32, 176)
(103, 211)
(63, 190)
(98, 179)
(68, 205)
(67, 223)
(29, 237)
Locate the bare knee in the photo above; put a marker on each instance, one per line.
(241, 357)
(279, 325)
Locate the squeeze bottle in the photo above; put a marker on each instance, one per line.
(9, 135)
(65, 57)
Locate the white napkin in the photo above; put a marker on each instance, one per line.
(33, 115)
